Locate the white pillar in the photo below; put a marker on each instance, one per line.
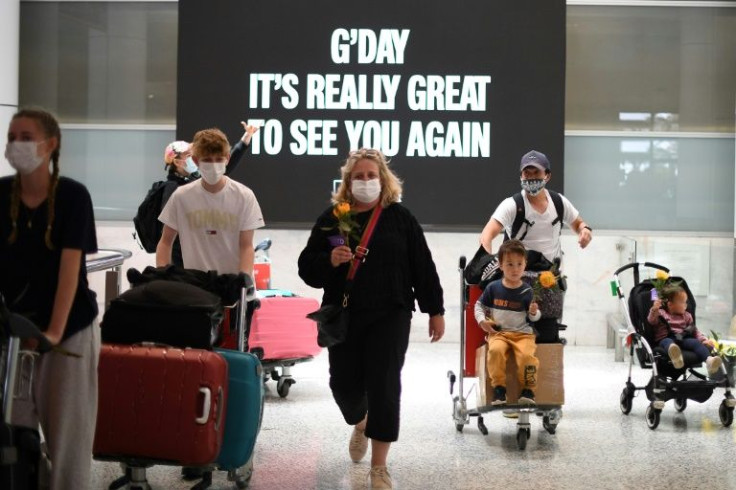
(10, 55)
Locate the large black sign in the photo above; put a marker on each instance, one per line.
(454, 93)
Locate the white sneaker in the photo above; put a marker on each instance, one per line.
(380, 477)
(675, 356)
(358, 445)
(713, 365)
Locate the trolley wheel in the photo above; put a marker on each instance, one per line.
(551, 428)
(726, 414)
(459, 427)
(521, 437)
(283, 385)
(680, 404)
(625, 401)
(652, 417)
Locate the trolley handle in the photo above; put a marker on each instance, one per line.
(462, 262)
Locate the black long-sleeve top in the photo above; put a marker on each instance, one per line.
(397, 270)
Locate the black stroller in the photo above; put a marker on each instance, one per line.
(666, 382)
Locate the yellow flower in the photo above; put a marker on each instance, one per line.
(346, 224)
(662, 275)
(547, 279)
(341, 210)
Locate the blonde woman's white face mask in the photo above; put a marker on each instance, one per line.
(366, 191)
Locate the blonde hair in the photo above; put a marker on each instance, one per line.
(50, 127)
(210, 142)
(390, 183)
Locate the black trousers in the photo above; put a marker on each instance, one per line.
(365, 370)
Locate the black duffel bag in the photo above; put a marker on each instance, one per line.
(164, 312)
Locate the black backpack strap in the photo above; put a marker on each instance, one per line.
(557, 201)
(519, 219)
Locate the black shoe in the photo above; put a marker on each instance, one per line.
(499, 395)
(192, 473)
(526, 397)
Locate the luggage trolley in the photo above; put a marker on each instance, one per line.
(471, 337)
(241, 419)
(279, 333)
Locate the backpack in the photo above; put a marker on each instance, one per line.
(520, 218)
(483, 267)
(147, 226)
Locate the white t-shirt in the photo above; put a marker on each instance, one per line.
(209, 225)
(542, 236)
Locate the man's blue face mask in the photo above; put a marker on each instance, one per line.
(533, 186)
(190, 166)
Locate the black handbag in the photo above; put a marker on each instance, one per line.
(332, 324)
(332, 320)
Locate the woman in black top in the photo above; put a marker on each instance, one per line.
(365, 370)
(46, 228)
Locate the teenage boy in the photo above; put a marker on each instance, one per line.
(504, 310)
(215, 217)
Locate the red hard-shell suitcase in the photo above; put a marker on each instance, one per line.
(160, 404)
(281, 330)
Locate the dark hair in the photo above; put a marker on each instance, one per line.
(50, 127)
(671, 290)
(511, 247)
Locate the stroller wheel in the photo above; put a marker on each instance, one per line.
(625, 401)
(680, 404)
(726, 414)
(652, 416)
(551, 428)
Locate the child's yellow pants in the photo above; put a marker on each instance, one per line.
(524, 347)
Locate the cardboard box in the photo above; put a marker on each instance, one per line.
(550, 380)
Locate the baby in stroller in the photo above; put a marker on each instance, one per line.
(675, 330)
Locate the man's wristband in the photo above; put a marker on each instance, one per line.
(588, 228)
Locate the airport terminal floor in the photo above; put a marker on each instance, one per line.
(303, 440)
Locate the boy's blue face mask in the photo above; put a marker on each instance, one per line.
(533, 186)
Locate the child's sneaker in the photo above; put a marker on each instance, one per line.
(499, 395)
(380, 477)
(675, 356)
(526, 397)
(713, 365)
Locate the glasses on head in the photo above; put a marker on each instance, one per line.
(366, 152)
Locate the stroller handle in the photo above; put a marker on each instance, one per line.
(637, 264)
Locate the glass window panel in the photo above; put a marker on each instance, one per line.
(99, 62)
(118, 167)
(652, 184)
(651, 68)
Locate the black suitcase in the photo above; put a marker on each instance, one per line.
(164, 312)
(20, 455)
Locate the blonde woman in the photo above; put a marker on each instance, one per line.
(365, 369)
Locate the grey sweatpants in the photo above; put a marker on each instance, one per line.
(64, 403)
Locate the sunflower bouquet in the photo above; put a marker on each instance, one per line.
(346, 225)
(547, 281)
(660, 282)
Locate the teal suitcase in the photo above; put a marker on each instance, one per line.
(244, 408)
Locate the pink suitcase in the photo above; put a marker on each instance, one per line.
(160, 404)
(281, 330)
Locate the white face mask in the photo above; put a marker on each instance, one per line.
(366, 191)
(23, 156)
(212, 171)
